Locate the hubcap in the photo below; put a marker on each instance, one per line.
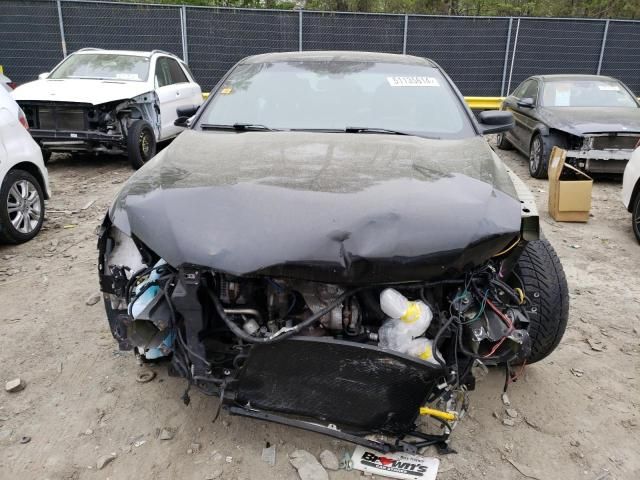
(535, 154)
(144, 144)
(23, 206)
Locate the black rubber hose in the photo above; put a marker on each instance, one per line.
(294, 330)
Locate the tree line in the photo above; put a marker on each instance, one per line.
(540, 8)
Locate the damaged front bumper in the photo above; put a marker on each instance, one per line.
(600, 161)
(340, 384)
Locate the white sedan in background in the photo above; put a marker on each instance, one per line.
(110, 102)
(24, 183)
(631, 190)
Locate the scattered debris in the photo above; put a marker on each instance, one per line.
(532, 423)
(524, 470)
(109, 389)
(139, 443)
(508, 422)
(329, 460)
(228, 459)
(505, 399)
(88, 432)
(512, 412)
(269, 454)
(93, 299)
(307, 466)
(145, 376)
(596, 345)
(25, 439)
(14, 385)
(66, 227)
(105, 460)
(59, 367)
(574, 443)
(577, 372)
(194, 448)
(88, 204)
(166, 434)
(575, 246)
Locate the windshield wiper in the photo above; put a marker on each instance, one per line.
(240, 127)
(374, 130)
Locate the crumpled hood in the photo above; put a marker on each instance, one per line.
(94, 92)
(332, 207)
(581, 120)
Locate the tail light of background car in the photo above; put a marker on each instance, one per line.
(12, 85)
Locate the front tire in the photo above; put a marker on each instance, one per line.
(141, 143)
(635, 216)
(546, 291)
(21, 207)
(538, 157)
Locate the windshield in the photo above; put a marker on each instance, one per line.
(103, 66)
(586, 93)
(334, 95)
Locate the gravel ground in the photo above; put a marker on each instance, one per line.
(578, 411)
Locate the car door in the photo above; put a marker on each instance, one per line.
(174, 90)
(527, 114)
(517, 133)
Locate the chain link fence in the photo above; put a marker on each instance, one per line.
(485, 56)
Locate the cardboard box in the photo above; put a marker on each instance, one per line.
(569, 190)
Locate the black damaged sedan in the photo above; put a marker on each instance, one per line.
(333, 245)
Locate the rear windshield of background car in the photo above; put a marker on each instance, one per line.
(103, 66)
(332, 95)
(586, 93)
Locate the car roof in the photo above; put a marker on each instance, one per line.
(569, 77)
(137, 53)
(339, 56)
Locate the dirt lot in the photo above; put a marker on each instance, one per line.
(82, 400)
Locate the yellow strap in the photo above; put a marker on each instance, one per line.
(448, 416)
(411, 314)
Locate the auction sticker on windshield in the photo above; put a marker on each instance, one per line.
(413, 81)
(395, 465)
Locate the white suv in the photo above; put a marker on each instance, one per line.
(631, 190)
(109, 101)
(24, 183)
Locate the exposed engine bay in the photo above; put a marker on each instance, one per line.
(360, 363)
(83, 127)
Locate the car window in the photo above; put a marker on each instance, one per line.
(586, 93)
(521, 88)
(169, 72)
(530, 91)
(321, 95)
(102, 66)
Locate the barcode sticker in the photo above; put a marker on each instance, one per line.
(413, 82)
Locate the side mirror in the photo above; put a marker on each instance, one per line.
(43, 75)
(495, 121)
(189, 111)
(182, 121)
(526, 103)
(184, 114)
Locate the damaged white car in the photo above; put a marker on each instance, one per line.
(109, 101)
